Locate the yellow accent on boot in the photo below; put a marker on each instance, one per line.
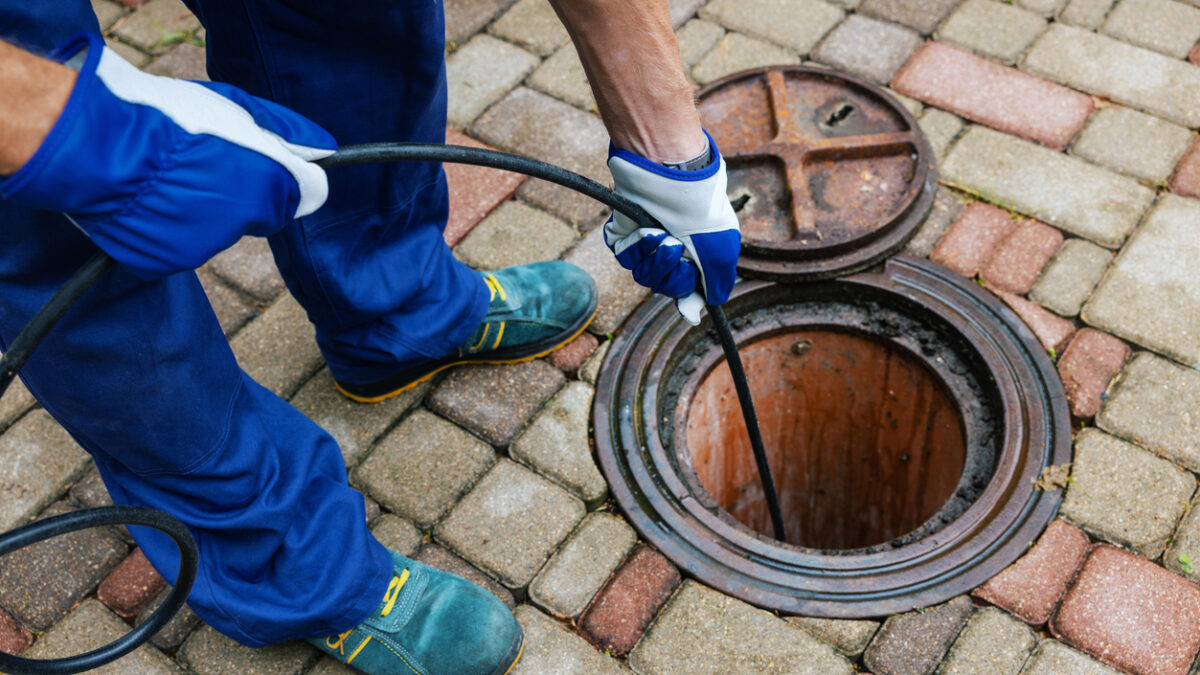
(393, 592)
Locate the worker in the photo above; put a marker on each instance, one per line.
(162, 174)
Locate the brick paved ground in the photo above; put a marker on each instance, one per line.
(1066, 128)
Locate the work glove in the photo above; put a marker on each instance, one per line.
(697, 250)
(162, 173)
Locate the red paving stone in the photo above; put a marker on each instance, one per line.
(1186, 179)
(129, 587)
(1001, 97)
(971, 240)
(1018, 260)
(1132, 614)
(474, 190)
(1194, 55)
(569, 358)
(14, 638)
(1032, 587)
(1089, 364)
(624, 607)
(1051, 330)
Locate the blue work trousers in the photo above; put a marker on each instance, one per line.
(141, 376)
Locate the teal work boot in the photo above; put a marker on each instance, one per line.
(534, 310)
(430, 623)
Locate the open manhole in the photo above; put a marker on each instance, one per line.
(906, 412)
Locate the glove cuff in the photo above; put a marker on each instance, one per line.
(668, 172)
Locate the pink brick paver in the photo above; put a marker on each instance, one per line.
(474, 190)
(1018, 260)
(1089, 364)
(1001, 97)
(130, 586)
(14, 638)
(1194, 55)
(1186, 179)
(971, 240)
(624, 607)
(1051, 330)
(1132, 614)
(571, 357)
(1032, 587)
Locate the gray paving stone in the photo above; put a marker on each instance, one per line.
(618, 293)
(16, 402)
(510, 524)
(328, 666)
(464, 18)
(1054, 658)
(1150, 295)
(279, 349)
(1125, 495)
(797, 25)
(577, 571)
(849, 637)
(992, 643)
(1047, 8)
(148, 27)
(946, 207)
(911, 104)
(994, 29)
(436, 556)
(185, 61)
(1134, 143)
(924, 16)
(1070, 276)
(1136, 77)
(736, 52)
(248, 265)
(1162, 25)
(38, 462)
(515, 234)
(868, 47)
(479, 73)
(556, 445)
(130, 54)
(703, 631)
(231, 308)
(562, 77)
(1063, 191)
(207, 652)
(90, 490)
(90, 626)
(1087, 14)
(496, 401)
(941, 128)
(551, 649)
(180, 626)
(533, 25)
(696, 37)
(590, 370)
(1183, 554)
(355, 426)
(682, 10)
(1156, 404)
(107, 13)
(422, 467)
(397, 534)
(915, 642)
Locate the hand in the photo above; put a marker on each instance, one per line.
(162, 173)
(700, 243)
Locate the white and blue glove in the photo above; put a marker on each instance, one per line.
(162, 174)
(700, 244)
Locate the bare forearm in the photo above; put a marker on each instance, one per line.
(33, 92)
(631, 57)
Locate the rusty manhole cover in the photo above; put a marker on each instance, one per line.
(829, 174)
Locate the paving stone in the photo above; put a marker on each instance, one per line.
(1047, 8)
(90, 626)
(533, 25)
(992, 643)
(703, 631)
(1194, 55)
(736, 52)
(1131, 614)
(371, 508)
(148, 27)
(1018, 260)
(1125, 495)
(947, 206)
(999, 96)
(130, 586)
(14, 638)
(562, 76)
(1070, 276)
(464, 18)
(696, 37)
(618, 293)
(1054, 658)
(1150, 296)
(590, 370)
(1088, 365)
(911, 104)
(969, 242)
(1134, 143)
(436, 556)
(555, 444)
(90, 490)
(510, 523)
(38, 462)
(915, 642)
(185, 62)
(1087, 14)
(248, 265)
(515, 234)
(924, 16)
(229, 305)
(1057, 189)
(397, 534)
(1129, 75)
(551, 649)
(797, 25)
(107, 13)
(1186, 178)
(279, 349)
(1156, 404)
(577, 571)
(328, 666)
(682, 10)
(16, 402)
(207, 652)
(621, 611)
(1032, 587)
(421, 468)
(495, 401)
(474, 190)
(571, 357)
(1183, 554)
(176, 630)
(40, 583)
(994, 29)
(1162, 25)
(868, 47)
(535, 125)
(130, 54)
(940, 129)
(355, 426)
(849, 637)
(479, 73)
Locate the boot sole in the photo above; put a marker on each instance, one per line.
(514, 653)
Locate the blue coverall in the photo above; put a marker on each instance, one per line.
(141, 376)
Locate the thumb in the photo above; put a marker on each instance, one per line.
(689, 308)
(301, 135)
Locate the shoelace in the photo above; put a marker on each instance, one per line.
(389, 603)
